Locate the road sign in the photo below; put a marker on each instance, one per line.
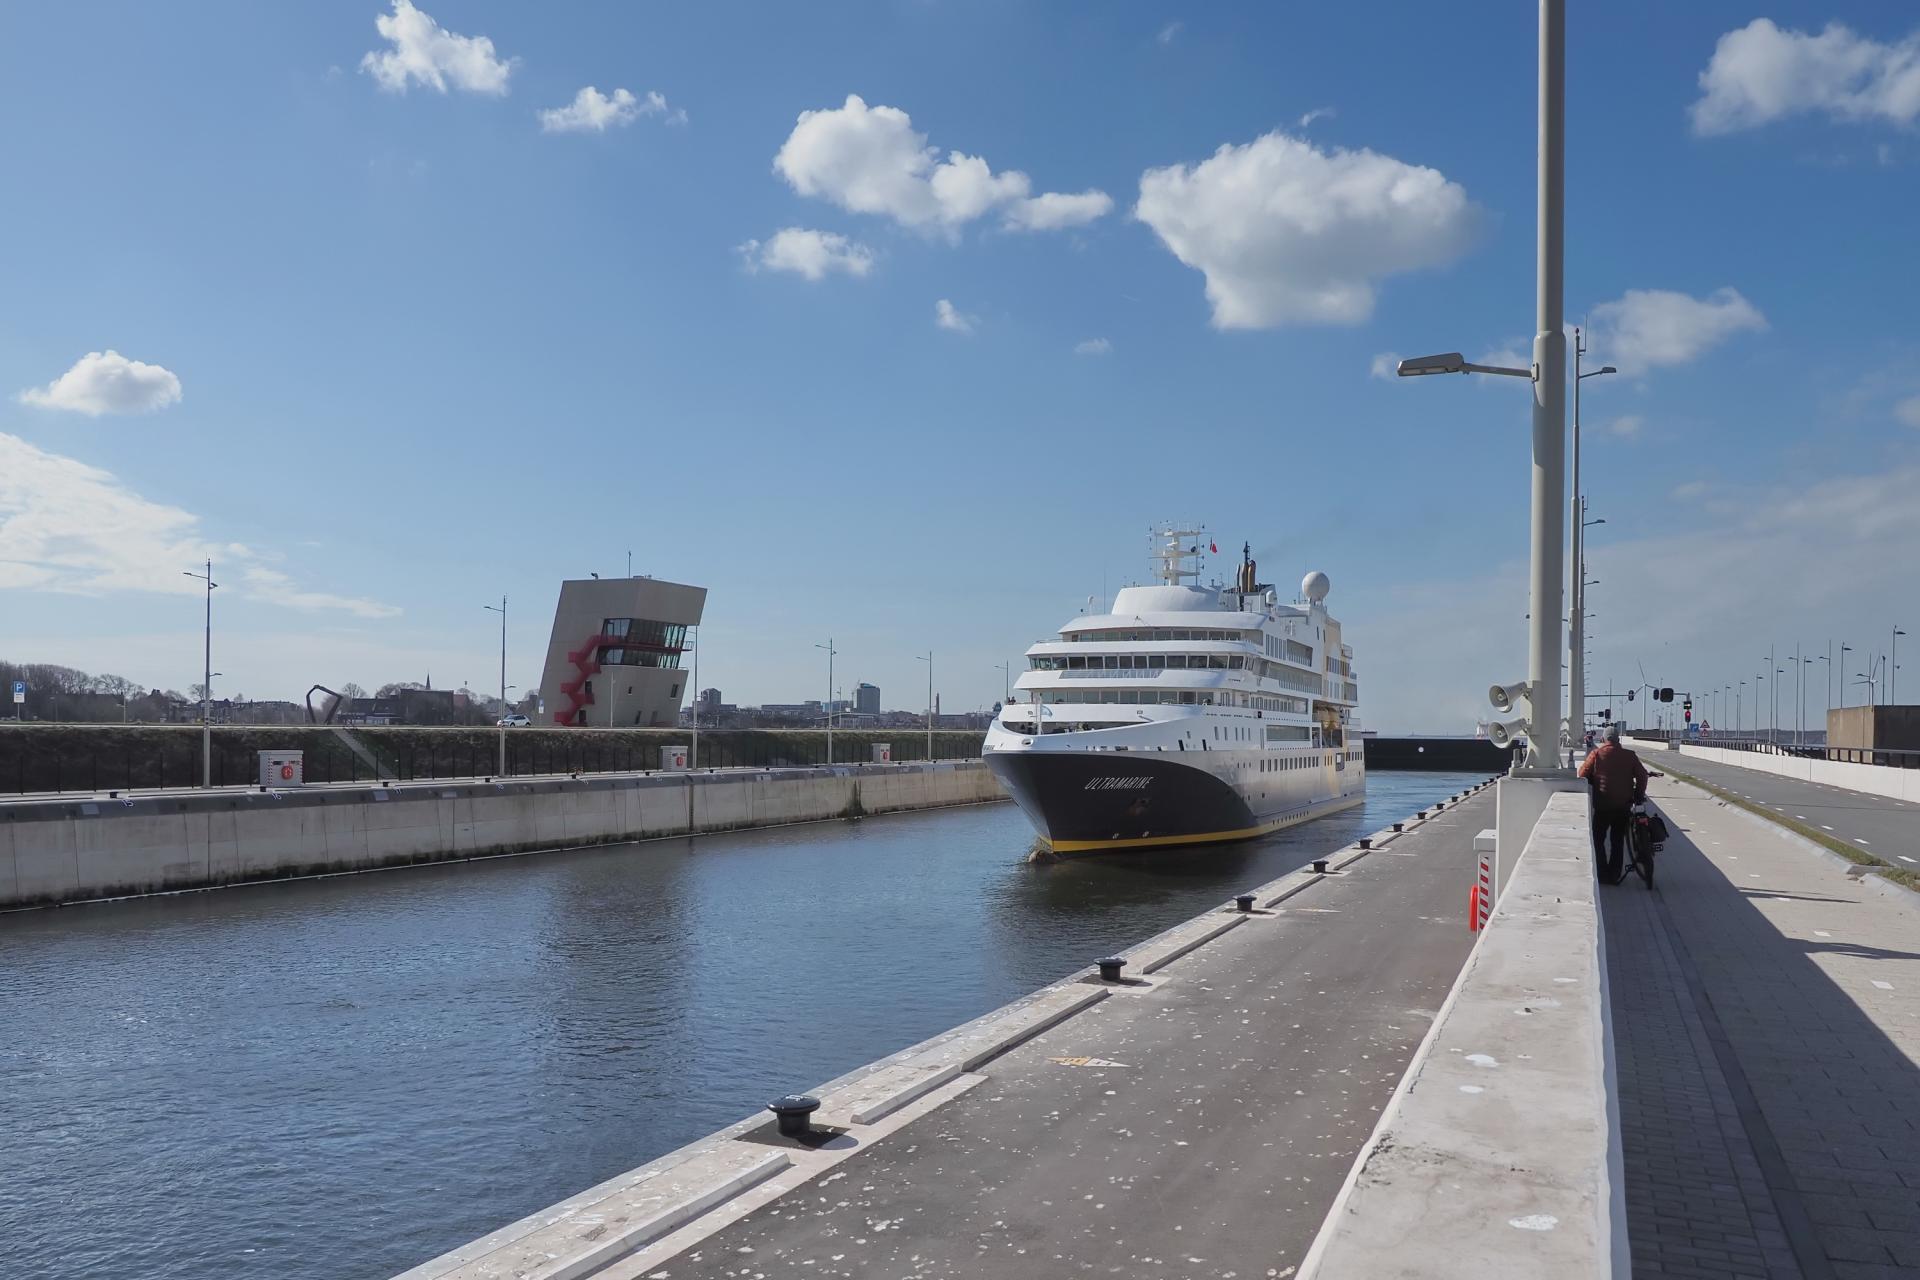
(19, 692)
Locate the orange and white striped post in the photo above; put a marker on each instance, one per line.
(1480, 901)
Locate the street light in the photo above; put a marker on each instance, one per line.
(928, 659)
(1006, 682)
(1453, 362)
(501, 609)
(206, 682)
(828, 646)
(1845, 649)
(1577, 552)
(1893, 664)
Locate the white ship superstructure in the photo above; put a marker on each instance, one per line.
(1187, 714)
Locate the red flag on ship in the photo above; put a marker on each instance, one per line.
(1213, 548)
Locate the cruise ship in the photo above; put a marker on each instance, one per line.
(1188, 714)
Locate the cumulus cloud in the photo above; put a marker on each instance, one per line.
(1168, 32)
(68, 526)
(1288, 233)
(107, 382)
(424, 52)
(1318, 113)
(952, 319)
(1650, 328)
(1908, 411)
(1626, 427)
(1092, 347)
(872, 160)
(1762, 73)
(592, 111)
(1385, 365)
(812, 254)
(1054, 210)
(1691, 489)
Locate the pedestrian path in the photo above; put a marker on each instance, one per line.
(1767, 1037)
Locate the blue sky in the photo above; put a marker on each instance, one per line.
(386, 347)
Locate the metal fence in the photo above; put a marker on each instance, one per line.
(1886, 757)
(177, 764)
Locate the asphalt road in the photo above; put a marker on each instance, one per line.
(1219, 1114)
(1886, 828)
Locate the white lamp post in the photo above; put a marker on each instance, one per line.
(206, 682)
(928, 659)
(828, 646)
(501, 609)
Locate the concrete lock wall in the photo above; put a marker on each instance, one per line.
(1874, 779)
(74, 850)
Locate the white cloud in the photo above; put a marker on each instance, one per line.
(1385, 365)
(594, 112)
(1318, 113)
(1092, 347)
(67, 526)
(804, 252)
(1287, 233)
(871, 160)
(1650, 328)
(1168, 32)
(1762, 73)
(1626, 427)
(426, 52)
(1691, 489)
(107, 382)
(952, 319)
(1908, 411)
(1054, 210)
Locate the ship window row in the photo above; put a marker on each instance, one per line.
(1139, 662)
(1178, 698)
(1288, 763)
(1163, 633)
(1291, 650)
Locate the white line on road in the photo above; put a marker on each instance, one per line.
(1884, 986)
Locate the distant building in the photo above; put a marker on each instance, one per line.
(866, 699)
(710, 700)
(614, 657)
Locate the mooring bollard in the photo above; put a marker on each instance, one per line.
(1245, 901)
(795, 1111)
(1366, 842)
(1110, 968)
(1319, 866)
(1399, 826)
(1422, 813)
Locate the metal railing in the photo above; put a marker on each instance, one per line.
(176, 765)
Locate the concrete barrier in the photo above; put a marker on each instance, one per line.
(1499, 1154)
(1873, 779)
(55, 851)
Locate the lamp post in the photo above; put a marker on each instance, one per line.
(1006, 682)
(928, 659)
(206, 682)
(1577, 559)
(1893, 665)
(1800, 671)
(828, 646)
(1845, 649)
(1739, 696)
(694, 757)
(501, 609)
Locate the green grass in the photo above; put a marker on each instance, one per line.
(1852, 853)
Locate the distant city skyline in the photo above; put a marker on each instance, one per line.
(901, 326)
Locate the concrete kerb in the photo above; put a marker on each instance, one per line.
(1499, 1152)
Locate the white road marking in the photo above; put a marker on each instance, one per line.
(1825, 827)
(1884, 986)
(1821, 933)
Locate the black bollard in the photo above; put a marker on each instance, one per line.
(1320, 866)
(1366, 842)
(1110, 968)
(1399, 826)
(794, 1110)
(1246, 901)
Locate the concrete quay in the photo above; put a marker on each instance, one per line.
(1197, 1118)
(76, 849)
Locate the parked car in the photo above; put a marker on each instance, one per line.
(513, 721)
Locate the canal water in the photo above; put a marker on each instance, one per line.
(345, 1077)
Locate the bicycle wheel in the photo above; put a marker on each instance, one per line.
(1643, 852)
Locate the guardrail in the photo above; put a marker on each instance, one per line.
(1886, 757)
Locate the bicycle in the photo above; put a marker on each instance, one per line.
(1646, 834)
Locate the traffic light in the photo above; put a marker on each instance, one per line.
(1630, 693)
(1689, 714)
(1664, 695)
(1687, 705)
(1606, 715)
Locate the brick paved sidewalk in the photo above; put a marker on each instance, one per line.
(1767, 1033)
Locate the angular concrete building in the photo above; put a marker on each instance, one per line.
(614, 659)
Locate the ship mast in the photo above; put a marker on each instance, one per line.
(1173, 548)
